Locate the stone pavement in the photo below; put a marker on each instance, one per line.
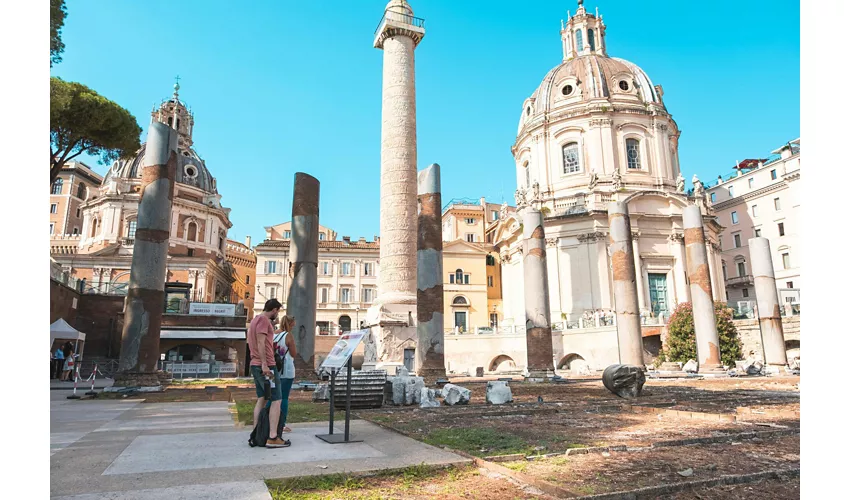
(82, 385)
(126, 449)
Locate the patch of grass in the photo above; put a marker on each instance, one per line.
(517, 466)
(560, 460)
(299, 411)
(480, 441)
(310, 487)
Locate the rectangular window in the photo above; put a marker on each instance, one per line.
(51, 228)
(323, 295)
(786, 261)
(737, 239)
(773, 175)
(633, 153)
(247, 280)
(781, 227)
(746, 293)
(321, 236)
(325, 268)
(345, 295)
(758, 233)
(494, 214)
(271, 267)
(490, 281)
(470, 220)
(190, 252)
(776, 205)
(54, 208)
(367, 295)
(346, 268)
(78, 212)
(713, 197)
(494, 320)
(751, 182)
(271, 292)
(789, 284)
(451, 279)
(742, 269)
(572, 164)
(131, 229)
(367, 268)
(465, 279)
(734, 217)
(731, 191)
(287, 235)
(724, 273)
(470, 237)
(755, 210)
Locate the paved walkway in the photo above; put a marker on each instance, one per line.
(82, 385)
(125, 449)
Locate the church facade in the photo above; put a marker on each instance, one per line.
(596, 130)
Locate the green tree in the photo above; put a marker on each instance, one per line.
(58, 12)
(82, 121)
(681, 340)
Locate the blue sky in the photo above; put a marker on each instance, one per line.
(282, 86)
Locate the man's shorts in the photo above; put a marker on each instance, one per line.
(259, 381)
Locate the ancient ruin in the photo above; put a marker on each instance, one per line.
(303, 267)
(629, 339)
(767, 298)
(430, 359)
(538, 332)
(146, 293)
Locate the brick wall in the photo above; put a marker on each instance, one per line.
(62, 303)
(748, 330)
(101, 318)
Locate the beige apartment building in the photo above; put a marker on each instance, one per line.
(762, 198)
(68, 193)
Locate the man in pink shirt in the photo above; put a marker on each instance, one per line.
(263, 368)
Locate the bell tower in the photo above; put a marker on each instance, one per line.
(583, 34)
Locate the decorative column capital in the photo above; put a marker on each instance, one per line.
(676, 237)
(590, 237)
(551, 242)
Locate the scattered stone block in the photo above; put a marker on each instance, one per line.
(405, 390)
(456, 395)
(691, 366)
(428, 398)
(498, 393)
(321, 393)
(580, 367)
(625, 381)
(479, 371)
(413, 390)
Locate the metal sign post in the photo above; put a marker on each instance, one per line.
(348, 342)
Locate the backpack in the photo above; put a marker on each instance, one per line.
(260, 434)
(278, 356)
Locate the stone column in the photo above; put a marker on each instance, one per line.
(538, 321)
(709, 252)
(146, 293)
(303, 267)
(708, 342)
(623, 261)
(430, 360)
(392, 318)
(767, 298)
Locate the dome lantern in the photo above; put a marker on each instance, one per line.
(174, 113)
(583, 34)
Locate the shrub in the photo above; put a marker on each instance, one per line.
(681, 340)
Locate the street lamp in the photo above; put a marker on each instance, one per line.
(357, 316)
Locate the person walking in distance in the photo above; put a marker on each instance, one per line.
(58, 362)
(263, 369)
(285, 345)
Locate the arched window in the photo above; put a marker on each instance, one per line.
(57, 187)
(591, 40)
(81, 191)
(572, 163)
(460, 300)
(93, 228)
(459, 276)
(192, 232)
(527, 175)
(131, 229)
(579, 41)
(633, 153)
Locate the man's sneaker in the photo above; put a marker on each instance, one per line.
(277, 443)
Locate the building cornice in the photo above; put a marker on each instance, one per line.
(776, 186)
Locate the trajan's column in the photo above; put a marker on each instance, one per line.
(392, 319)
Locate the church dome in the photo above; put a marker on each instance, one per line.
(191, 170)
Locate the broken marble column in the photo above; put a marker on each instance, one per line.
(538, 324)
(146, 292)
(430, 362)
(767, 298)
(428, 398)
(456, 395)
(629, 336)
(498, 393)
(303, 268)
(625, 381)
(708, 342)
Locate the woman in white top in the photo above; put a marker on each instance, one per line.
(286, 348)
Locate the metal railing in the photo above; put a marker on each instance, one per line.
(739, 280)
(416, 22)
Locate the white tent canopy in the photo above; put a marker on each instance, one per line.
(60, 329)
